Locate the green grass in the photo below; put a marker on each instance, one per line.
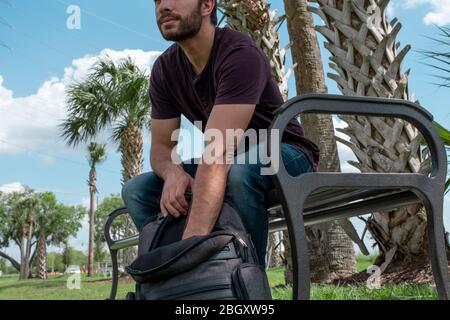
(361, 292)
(354, 292)
(363, 262)
(55, 288)
(97, 288)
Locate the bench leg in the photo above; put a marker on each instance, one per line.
(299, 248)
(436, 244)
(301, 259)
(115, 275)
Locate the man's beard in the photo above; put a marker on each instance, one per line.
(188, 27)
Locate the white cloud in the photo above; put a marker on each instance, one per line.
(12, 187)
(31, 122)
(390, 10)
(439, 13)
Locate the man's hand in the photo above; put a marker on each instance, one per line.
(173, 201)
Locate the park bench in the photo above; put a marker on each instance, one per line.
(329, 196)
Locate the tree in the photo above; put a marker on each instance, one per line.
(28, 218)
(441, 58)
(56, 223)
(332, 254)
(3, 267)
(17, 224)
(108, 205)
(96, 155)
(55, 262)
(367, 60)
(46, 211)
(71, 256)
(113, 95)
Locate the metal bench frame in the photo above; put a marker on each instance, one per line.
(367, 192)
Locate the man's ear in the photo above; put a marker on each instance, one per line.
(208, 6)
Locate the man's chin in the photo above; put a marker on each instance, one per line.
(170, 36)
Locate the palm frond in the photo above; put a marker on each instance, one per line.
(111, 93)
(96, 153)
(440, 59)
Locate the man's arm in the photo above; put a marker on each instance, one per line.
(176, 180)
(210, 179)
(162, 145)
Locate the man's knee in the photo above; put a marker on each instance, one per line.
(241, 176)
(128, 189)
(145, 184)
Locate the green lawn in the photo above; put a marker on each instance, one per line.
(55, 288)
(360, 292)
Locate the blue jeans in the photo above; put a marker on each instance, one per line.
(246, 191)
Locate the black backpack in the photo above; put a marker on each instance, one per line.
(221, 265)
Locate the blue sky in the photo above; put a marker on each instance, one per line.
(39, 55)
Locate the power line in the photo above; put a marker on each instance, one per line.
(57, 157)
(61, 192)
(116, 24)
(7, 3)
(53, 27)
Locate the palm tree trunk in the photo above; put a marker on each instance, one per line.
(23, 262)
(26, 259)
(42, 255)
(131, 147)
(364, 54)
(92, 189)
(331, 250)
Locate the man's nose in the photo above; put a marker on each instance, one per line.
(165, 5)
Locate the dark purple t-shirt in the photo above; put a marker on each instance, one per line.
(237, 72)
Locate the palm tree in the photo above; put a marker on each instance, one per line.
(255, 18)
(18, 225)
(367, 61)
(440, 58)
(27, 206)
(96, 155)
(114, 95)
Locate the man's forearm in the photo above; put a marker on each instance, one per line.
(208, 194)
(161, 160)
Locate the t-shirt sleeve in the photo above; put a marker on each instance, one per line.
(162, 106)
(242, 77)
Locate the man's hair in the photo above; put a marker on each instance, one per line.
(214, 14)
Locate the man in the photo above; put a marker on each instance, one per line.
(222, 78)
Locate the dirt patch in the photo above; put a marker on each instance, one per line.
(417, 272)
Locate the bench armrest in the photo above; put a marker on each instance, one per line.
(111, 217)
(365, 106)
